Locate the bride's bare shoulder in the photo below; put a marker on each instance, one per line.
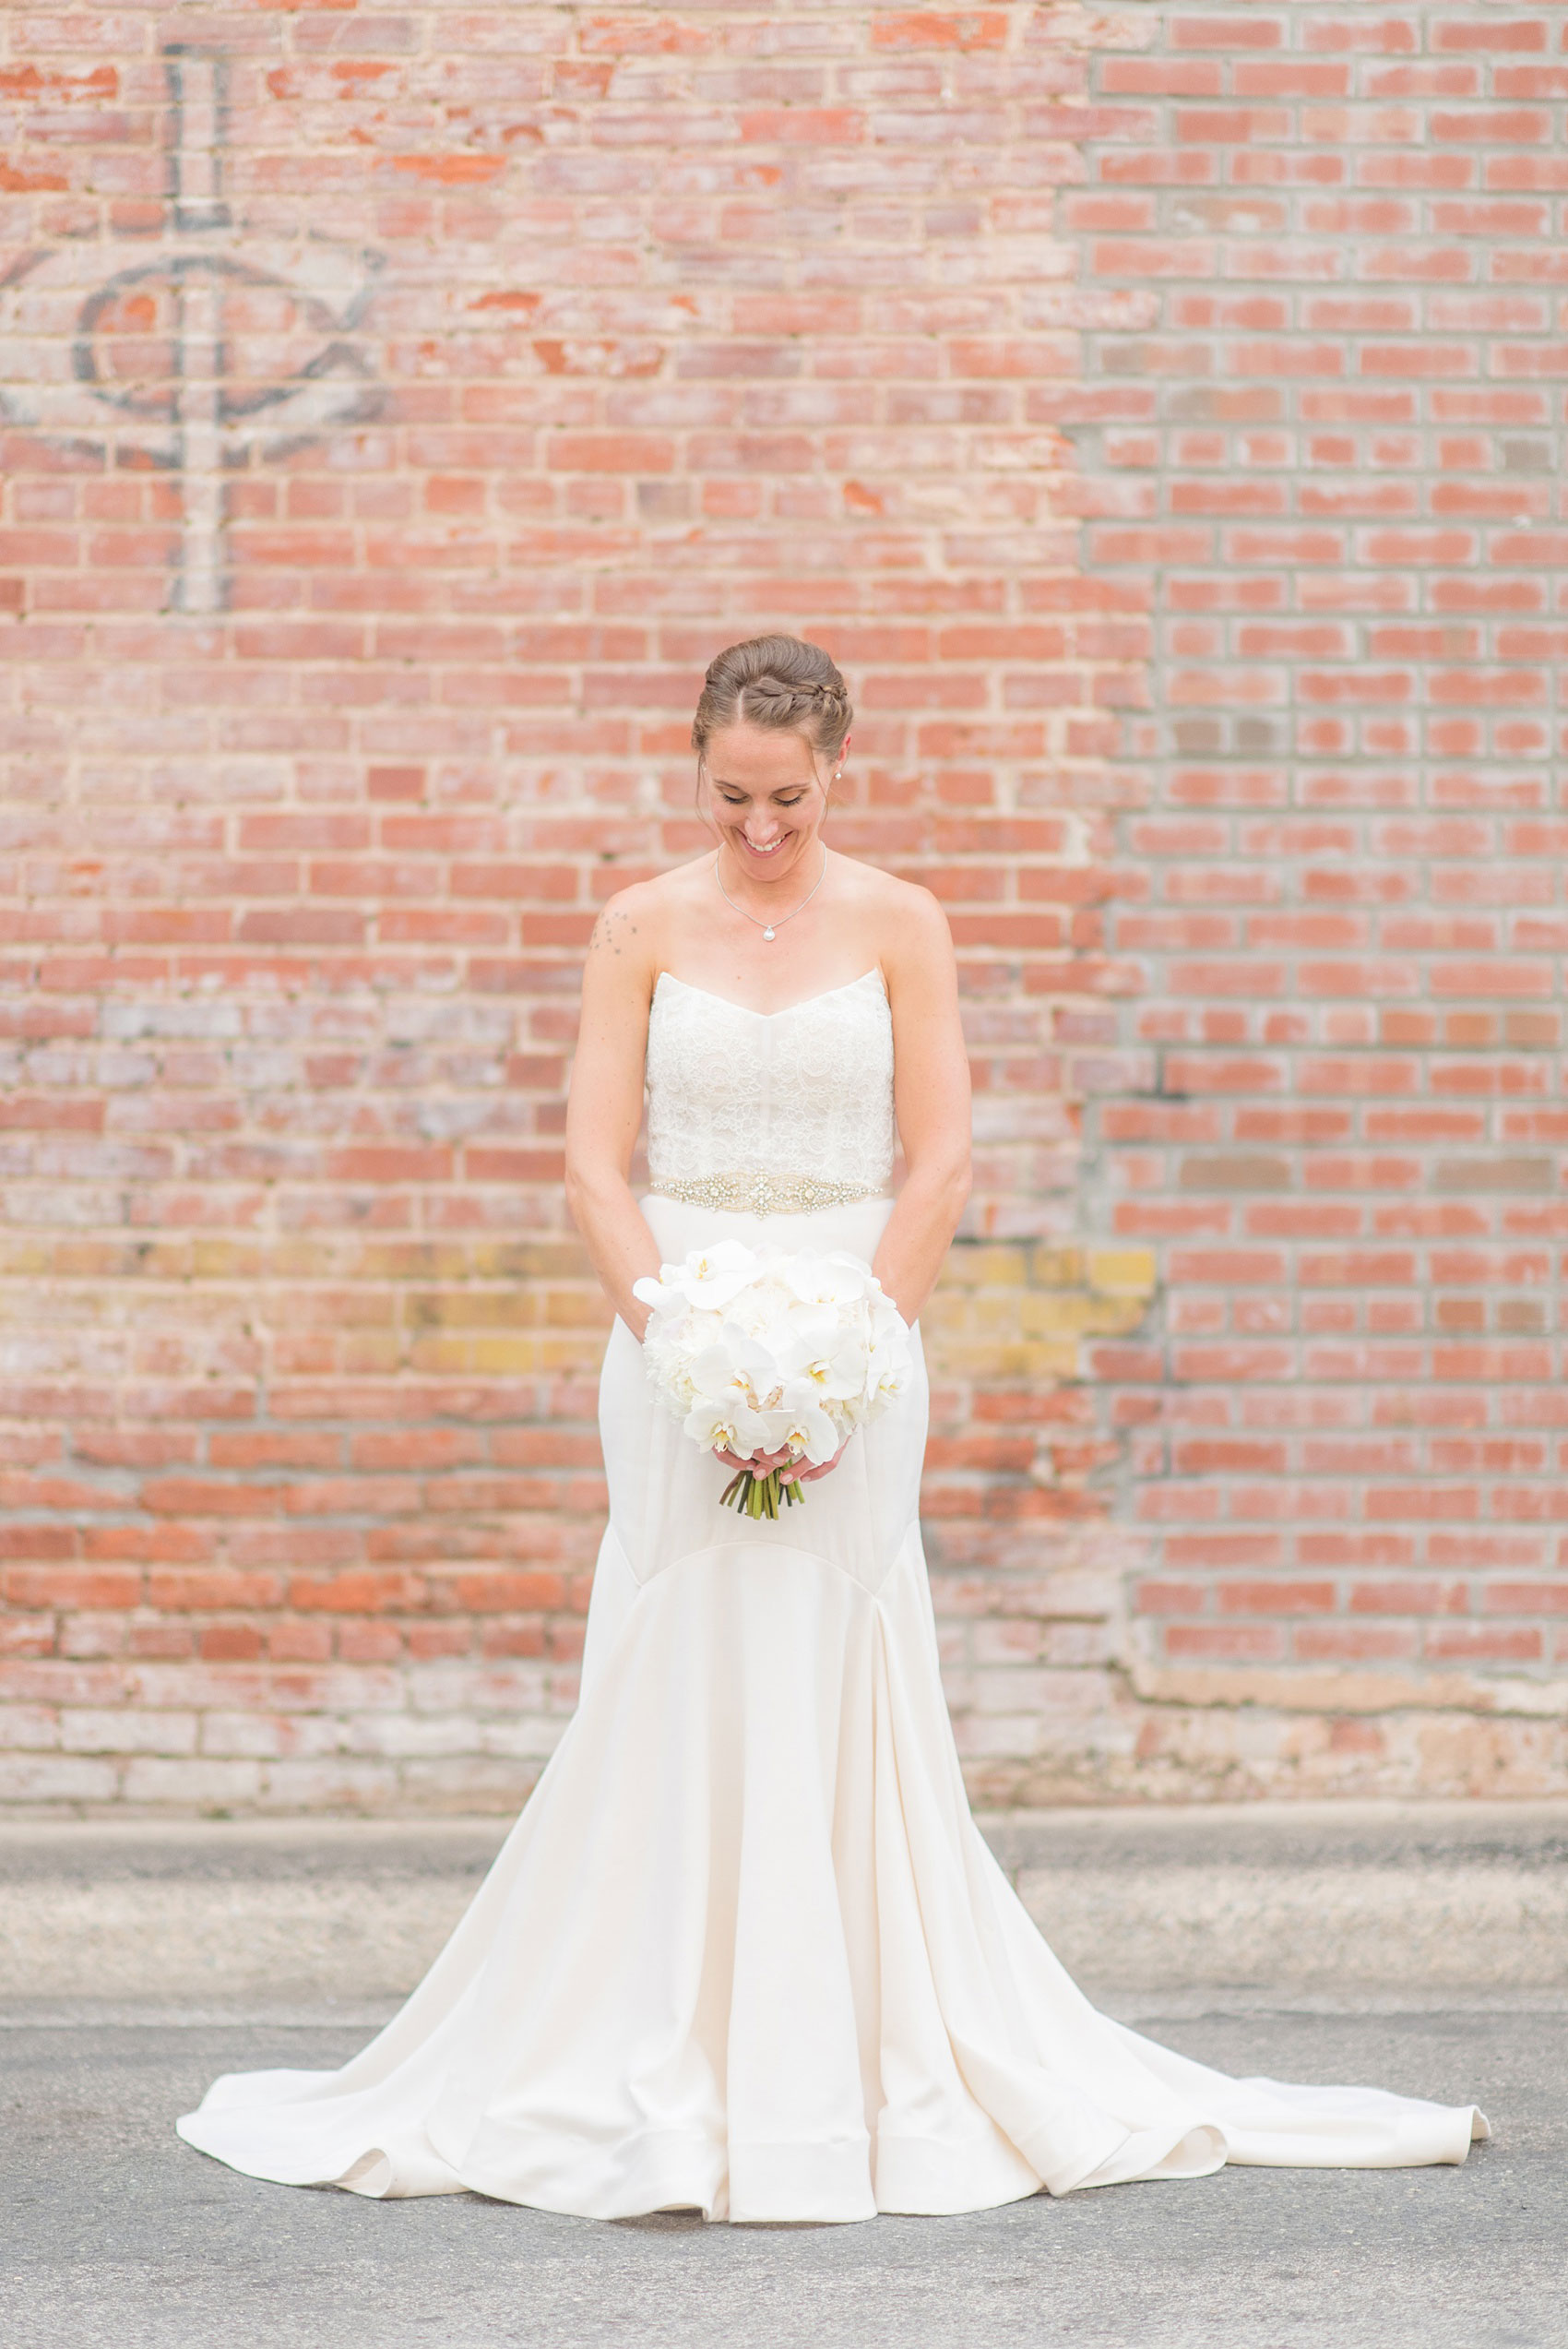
(906, 919)
(630, 932)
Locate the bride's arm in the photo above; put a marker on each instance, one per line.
(930, 1092)
(604, 1109)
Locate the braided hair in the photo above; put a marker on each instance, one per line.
(778, 682)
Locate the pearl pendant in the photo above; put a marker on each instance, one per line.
(767, 934)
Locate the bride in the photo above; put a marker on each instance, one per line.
(745, 1949)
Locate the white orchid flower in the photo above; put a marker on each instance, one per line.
(713, 1277)
(736, 1369)
(724, 1426)
(836, 1280)
(833, 1366)
(888, 1372)
(801, 1427)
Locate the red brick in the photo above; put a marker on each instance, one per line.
(40, 1586)
(1353, 1643)
(936, 29)
(1224, 1642)
(1461, 1643)
(1172, 1598)
(1275, 1598)
(1179, 495)
(1230, 32)
(229, 1642)
(356, 1593)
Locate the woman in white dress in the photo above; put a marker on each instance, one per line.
(745, 1949)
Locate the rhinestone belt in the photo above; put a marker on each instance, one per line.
(763, 1194)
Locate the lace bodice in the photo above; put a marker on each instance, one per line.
(800, 1095)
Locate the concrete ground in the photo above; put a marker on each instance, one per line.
(1422, 1947)
(116, 2236)
(1468, 1898)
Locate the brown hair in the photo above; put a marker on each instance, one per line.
(778, 682)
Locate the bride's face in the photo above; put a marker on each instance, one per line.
(765, 791)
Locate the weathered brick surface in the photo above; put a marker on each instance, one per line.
(1336, 433)
(1159, 413)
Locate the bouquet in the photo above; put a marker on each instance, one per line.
(757, 1350)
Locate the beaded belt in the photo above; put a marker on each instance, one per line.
(763, 1194)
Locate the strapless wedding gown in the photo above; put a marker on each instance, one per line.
(745, 1949)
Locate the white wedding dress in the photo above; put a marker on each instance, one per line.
(745, 1949)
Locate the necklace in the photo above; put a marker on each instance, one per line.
(767, 928)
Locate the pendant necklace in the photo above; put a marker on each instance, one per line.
(767, 928)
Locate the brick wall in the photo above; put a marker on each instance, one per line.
(1160, 414)
(1339, 453)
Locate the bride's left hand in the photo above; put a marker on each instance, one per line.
(804, 1472)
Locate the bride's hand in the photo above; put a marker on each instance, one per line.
(793, 1471)
(758, 1462)
(804, 1474)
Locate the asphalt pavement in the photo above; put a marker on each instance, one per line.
(116, 2236)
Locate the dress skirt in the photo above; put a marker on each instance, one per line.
(745, 1950)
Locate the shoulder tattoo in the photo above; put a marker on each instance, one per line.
(613, 933)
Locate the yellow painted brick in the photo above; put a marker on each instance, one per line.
(306, 1258)
(563, 1259)
(27, 1259)
(969, 1266)
(1075, 1309)
(167, 1258)
(81, 1258)
(416, 1261)
(473, 1310)
(492, 1356)
(1000, 1315)
(1057, 1268)
(578, 1310)
(1123, 1271)
(1018, 1360)
(968, 1311)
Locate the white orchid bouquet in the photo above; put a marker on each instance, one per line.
(756, 1351)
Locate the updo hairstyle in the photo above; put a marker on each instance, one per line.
(780, 683)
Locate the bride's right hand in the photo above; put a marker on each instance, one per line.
(795, 1471)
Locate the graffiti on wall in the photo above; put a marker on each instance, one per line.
(197, 347)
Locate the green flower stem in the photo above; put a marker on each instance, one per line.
(759, 1496)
